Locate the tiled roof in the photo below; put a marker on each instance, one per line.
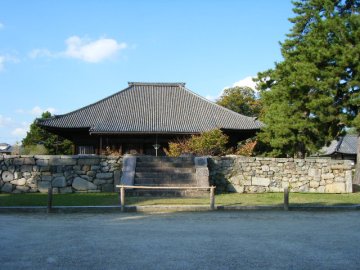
(344, 145)
(153, 108)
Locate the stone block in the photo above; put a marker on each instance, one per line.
(117, 177)
(26, 175)
(19, 182)
(265, 168)
(348, 182)
(18, 161)
(26, 168)
(314, 184)
(7, 188)
(7, 176)
(314, 172)
(46, 178)
(56, 161)
(260, 181)
(23, 188)
(235, 188)
(327, 176)
(127, 178)
(202, 171)
(105, 168)
(59, 181)
(99, 181)
(95, 167)
(200, 161)
(43, 186)
(104, 175)
(82, 185)
(335, 188)
(91, 173)
(129, 164)
(29, 161)
(86, 168)
(44, 168)
(88, 161)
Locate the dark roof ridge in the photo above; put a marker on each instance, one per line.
(158, 83)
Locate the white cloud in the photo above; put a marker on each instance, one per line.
(41, 53)
(2, 62)
(7, 58)
(84, 49)
(37, 111)
(248, 81)
(20, 132)
(1, 25)
(4, 121)
(92, 51)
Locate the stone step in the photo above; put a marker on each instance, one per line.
(167, 193)
(161, 175)
(164, 165)
(165, 181)
(165, 159)
(167, 170)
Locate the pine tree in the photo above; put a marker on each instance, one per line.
(53, 144)
(313, 94)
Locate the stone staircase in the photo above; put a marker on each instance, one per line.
(166, 171)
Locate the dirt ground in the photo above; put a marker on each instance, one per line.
(205, 240)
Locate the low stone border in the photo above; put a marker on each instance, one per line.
(170, 208)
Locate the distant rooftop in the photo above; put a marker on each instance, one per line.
(344, 145)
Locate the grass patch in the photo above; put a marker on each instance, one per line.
(100, 199)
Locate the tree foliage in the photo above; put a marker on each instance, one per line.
(241, 100)
(209, 143)
(53, 144)
(313, 94)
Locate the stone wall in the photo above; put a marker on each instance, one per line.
(253, 175)
(65, 174)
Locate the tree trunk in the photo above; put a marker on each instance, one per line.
(357, 168)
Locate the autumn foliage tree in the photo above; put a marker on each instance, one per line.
(242, 100)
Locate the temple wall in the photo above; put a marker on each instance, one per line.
(65, 174)
(257, 174)
(68, 174)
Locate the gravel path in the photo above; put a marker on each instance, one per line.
(205, 240)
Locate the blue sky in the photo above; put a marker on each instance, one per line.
(63, 55)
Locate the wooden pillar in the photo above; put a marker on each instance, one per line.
(212, 198)
(286, 199)
(122, 199)
(49, 202)
(100, 145)
(120, 149)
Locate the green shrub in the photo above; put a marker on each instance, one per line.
(37, 149)
(211, 143)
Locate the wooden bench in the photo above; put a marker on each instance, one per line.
(123, 187)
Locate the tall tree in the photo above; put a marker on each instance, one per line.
(313, 94)
(54, 144)
(241, 100)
